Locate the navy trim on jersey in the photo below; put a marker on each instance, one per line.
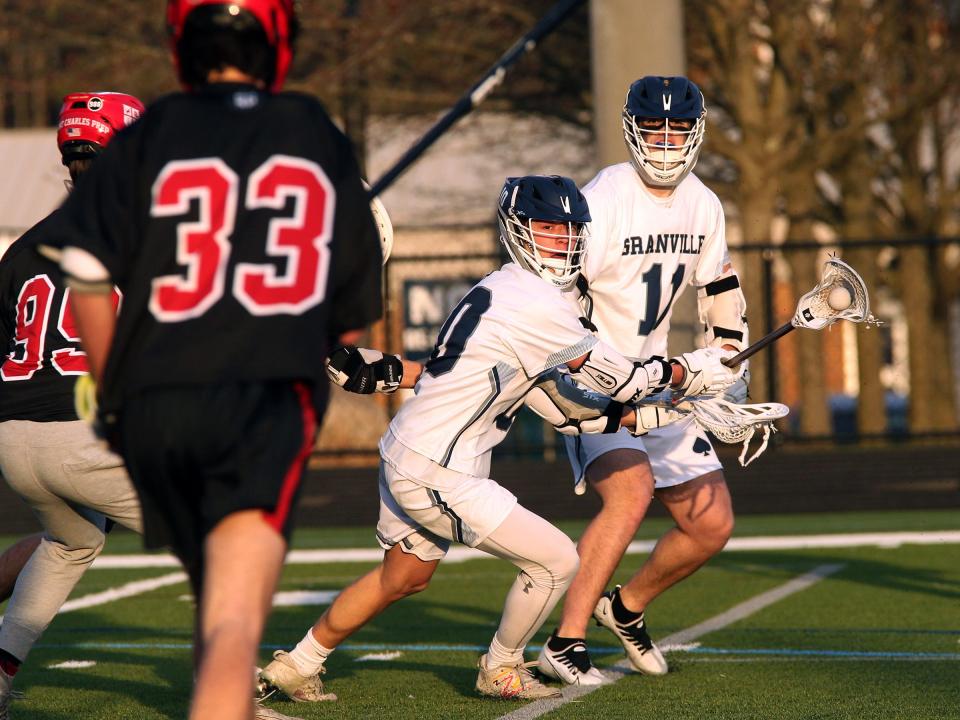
(494, 376)
(456, 520)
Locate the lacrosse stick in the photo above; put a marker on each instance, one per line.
(734, 423)
(840, 295)
(729, 422)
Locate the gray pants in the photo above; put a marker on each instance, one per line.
(72, 483)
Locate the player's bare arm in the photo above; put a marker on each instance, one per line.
(96, 321)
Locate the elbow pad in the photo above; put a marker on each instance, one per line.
(607, 371)
(570, 409)
(84, 272)
(722, 309)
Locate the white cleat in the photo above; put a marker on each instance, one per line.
(571, 665)
(282, 675)
(644, 656)
(512, 682)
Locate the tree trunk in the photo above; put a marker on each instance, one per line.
(814, 416)
(756, 215)
(931, 409)
(871, 409)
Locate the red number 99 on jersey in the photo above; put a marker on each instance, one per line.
(204, 245)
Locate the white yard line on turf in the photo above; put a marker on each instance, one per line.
(120, 592)
(460, 553)
(737, 612)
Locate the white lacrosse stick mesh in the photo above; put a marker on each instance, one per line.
(734, 423)
(815, 313)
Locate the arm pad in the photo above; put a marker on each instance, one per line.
(570, 409)
(722, 308)
(607, 371)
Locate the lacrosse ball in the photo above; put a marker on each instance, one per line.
(839, 298)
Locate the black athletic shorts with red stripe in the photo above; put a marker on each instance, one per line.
(198, 453)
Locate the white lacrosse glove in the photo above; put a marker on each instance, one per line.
(739, 392)
(704, 372)
(364, 371)
(651, 417)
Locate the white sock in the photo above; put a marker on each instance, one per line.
(499, 655)
(309, 655)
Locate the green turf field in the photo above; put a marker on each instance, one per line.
(877, 638)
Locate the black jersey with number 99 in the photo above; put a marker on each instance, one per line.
(40, 352)
(236, 226)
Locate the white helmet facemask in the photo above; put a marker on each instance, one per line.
(557, 263)
(660, 163)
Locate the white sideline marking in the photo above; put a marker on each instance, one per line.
(123, 591)
(72, 665)
(379, 656)
(461, 554)
(737, 612)
(292, 598)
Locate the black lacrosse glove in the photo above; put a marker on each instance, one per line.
(364, 371)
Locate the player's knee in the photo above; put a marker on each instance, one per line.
(80, 554)
(396, 586)
(557, 570)
(714, 534)
(568, 565)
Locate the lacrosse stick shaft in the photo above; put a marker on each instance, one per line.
(476, 94)
(759, 345)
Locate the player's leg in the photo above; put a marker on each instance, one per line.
(12, 561)
(548, 561)
(297, 673)
(30, 455)
(218, 469)
(690, 484)
(623, 480)
(703, 513)
(616, 468)
(242, 560)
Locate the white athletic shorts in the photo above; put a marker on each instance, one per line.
(425, 519)
(678, 452)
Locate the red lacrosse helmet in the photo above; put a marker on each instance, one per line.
(89, 120)
(276, 17)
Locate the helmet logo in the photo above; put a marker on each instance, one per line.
(667, 101)
(565, 203)
(130, 114)
(94, 104)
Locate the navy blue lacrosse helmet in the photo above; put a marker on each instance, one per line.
(554, 253)
(663, 123)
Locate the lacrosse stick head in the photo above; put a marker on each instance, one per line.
(734, 423)
(815, 312)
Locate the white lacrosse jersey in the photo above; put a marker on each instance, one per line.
(509, 329)
(643, 251)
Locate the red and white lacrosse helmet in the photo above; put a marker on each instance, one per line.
(88, 121)
(276, 17)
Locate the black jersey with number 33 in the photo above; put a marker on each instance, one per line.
(236, 226)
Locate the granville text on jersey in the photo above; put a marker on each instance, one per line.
(671, 242)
